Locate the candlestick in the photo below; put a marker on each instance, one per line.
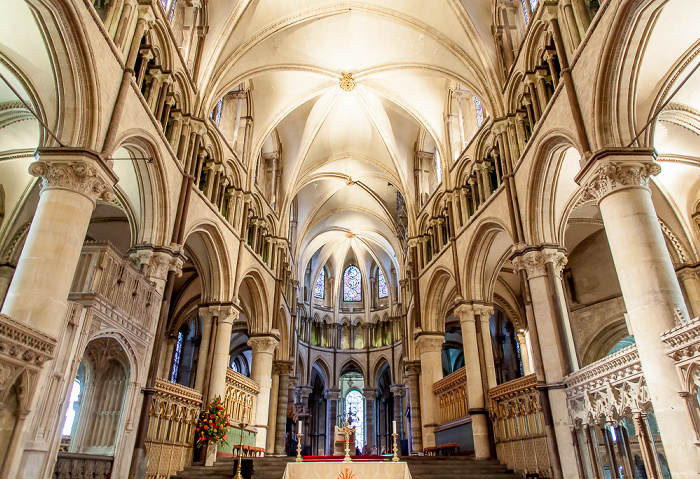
(396, 449)
(299, 435)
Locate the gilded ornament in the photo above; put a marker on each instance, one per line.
(347, 83)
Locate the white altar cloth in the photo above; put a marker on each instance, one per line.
(347, 470)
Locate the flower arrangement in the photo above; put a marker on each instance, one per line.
(213, 424)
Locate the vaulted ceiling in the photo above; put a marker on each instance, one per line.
(346, 154)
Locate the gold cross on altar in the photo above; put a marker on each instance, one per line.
(347, 430)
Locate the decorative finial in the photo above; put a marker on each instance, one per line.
(347, 83)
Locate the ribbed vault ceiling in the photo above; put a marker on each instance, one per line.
(346, 154)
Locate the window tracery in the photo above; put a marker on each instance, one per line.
(381, 285)
(320, 286)
(352, 284)
(355, 409)
(177, 356)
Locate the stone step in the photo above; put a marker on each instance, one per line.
(421, 467)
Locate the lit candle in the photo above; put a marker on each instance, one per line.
(394, 427)
(299, 426)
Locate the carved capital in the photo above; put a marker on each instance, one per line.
(77, 170)
(615, 169)
(227, 313)
(369, 393)
(412, 368)
(332, 394)
(282, 367)
(397, 390)
(157, 261)
(465, 312)
(427, 343)
(533, 262)
(263, 344)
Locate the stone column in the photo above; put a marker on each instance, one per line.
(557, 364)
(429, 346)
(646, 444)
(225, 316)
(399, 391)
(370, 395)
(272, 412)
(203, 349)
(283, 369)
(618, 178)
(592, 452)
(485, 313)
(691, 284)
(332, 396)
(524, 353)
(413, 373)
(72, 180)
(475, 391)
(33, 316)
(263, 350)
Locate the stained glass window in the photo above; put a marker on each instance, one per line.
(176, 356)
(381, 282)
(172, 13)
(527, 17)
(533, 5)
(164, 4)
(352, 284)
(355, 407)
(320, 285)
(438, 165)
(216, 112)
(479, 111)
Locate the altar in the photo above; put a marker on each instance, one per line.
(347, 470)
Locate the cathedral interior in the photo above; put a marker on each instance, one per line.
(474, 224)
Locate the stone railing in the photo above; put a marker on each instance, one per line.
(71, 465)
(452, 396)
(240, 398)
(607, 388)
(684, 348)
(169, 444)
(518, 424)
(116, 287)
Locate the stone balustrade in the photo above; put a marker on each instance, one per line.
(171, 433)
(452, 396)
(240, 398)
(518, 424)
(607, 387)
(112, 285)
(684, 348)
